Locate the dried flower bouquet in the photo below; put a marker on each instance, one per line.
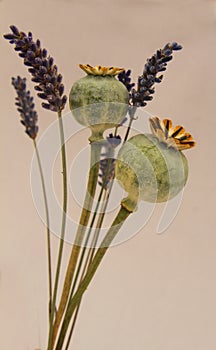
(149, 167)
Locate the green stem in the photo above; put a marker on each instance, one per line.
(99, 224)
(94, 240)
(90, 228)
(116, 225)
(86, 211)
(73, 326)
(133, 111)
(87, 263)
(64, 215)
(47, 227)
(85, 244)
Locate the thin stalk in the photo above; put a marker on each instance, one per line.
(99, 225)
(112, 232)
(80, 266)
(90, 228)
(95, 238)
(97, 232)
(47, 227)
(74, 253)
(86, 211)
(132, 113)
(87, 263)
(64, 215)
(73, 325)
(85, 243)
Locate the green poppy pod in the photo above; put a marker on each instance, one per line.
(147, 168)
(152, 167)
(99, 101)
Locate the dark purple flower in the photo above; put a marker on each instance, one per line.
(125, 78)
(42, 68)
(107, 163)
(25, 107)
(145, 85)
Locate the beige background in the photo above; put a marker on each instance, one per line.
(152, 292)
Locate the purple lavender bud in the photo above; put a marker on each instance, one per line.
(32, 70)
(50, 61)
(125, 78)
(53, 80)
(36, 79)
(38, 43)
(64, 99)
(9, 36)
(44, 53)
(33, 46)
(42, 70)
(27, 63)
(61, 89)
(148, 98)
(168, 52)
(38, 61)
(45, 105)
(176, 46)
(59, 78)
(50, 87)
(30, 54)
(14, 30)
(53, 100)
(47, 77)
(42, 95)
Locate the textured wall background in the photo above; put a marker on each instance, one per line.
(152, 292)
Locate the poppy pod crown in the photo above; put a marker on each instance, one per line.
(166, 133)
(100, 70)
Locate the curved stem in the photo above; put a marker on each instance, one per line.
(64, 215)
(116, 225)
(86, 211)
(47, 227)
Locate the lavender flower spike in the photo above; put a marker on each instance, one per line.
(145, 85)
(42, 68)
(25, 105)
(107, 164)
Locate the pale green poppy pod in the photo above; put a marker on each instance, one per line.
(150, 170)
(152, 167)
(99, 100)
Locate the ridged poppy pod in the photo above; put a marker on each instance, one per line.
(99, 101)
(152, 167)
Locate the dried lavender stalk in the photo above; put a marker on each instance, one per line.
(145, 85)
(42, 68)
(25, 106)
